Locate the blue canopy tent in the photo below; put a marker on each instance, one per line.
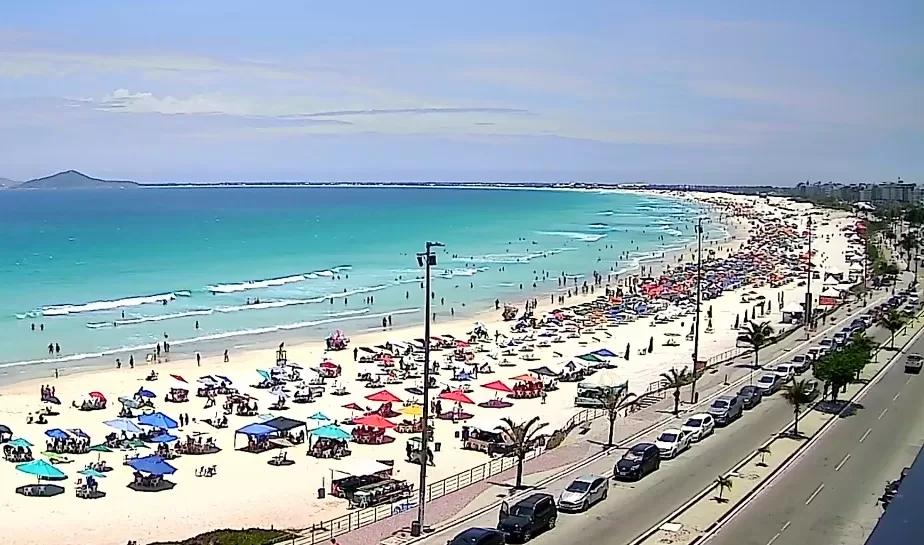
(158, 420)
(42, 470)
(124, 424)
(331, 431)
(254, 430)
(155, 465)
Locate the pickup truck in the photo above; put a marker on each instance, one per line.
(913, 363)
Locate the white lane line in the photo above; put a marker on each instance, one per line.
(774, 538)
(896, 396)
(865, 434)
(783, 529)
(840, 465)
(909, 380)
(883, 413)
(815, 493)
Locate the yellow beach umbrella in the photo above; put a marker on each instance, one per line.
(413, 410)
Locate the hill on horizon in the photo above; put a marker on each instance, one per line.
(71, 179)
(6, 183)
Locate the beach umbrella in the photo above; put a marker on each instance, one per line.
(524, 378)
(92, 473)
(384, 396)
(56, 433)
(20, 442)
(353, 407)
(124, 424)
(5, 429)
(414, 410)
(457, 396)
(100, 448)
(42, 470)
(498, 386)
(331, 431)
(650, 345)
(320, 417)
(627, 352)
(158, 420)
(374, 421)
(179, 378)
(164, 438)
(155, 465)
(99, 396)
(129, 402)
(146, 393)
(224, 379)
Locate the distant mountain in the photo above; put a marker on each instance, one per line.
(6, 183)
(71, 179)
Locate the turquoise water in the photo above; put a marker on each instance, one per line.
(93, 267)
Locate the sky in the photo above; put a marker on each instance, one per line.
(723, 92)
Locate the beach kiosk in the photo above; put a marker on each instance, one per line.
(591, 392)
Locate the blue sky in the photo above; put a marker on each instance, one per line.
(669, 91)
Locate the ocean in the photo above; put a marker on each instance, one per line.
(104, 273)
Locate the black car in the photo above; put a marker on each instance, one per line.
(637, 462)
(751, 396)
(479, 536)
(528, 517)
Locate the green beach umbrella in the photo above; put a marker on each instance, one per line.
(92, 473)
(100, 448)
(42, 470)
(20, 442)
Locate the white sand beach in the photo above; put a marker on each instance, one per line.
(248, 491)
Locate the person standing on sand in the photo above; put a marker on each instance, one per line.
(198, 360)
(131, 362)
(227, 359)
(118, 363)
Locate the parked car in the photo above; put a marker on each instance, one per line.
(530, 516)
(785, 371)
(815, 352)
(672, 442)
(913, 363)
(638, 461)
(725, 409)
(699, 426)
(827, 344)
(583, 492)
(769, 383)
(751, 396)
(479, 536)
(840, 338)
(801, 363)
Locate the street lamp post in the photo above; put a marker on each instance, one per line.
(808, 283)
(426, 260)
(699, 290)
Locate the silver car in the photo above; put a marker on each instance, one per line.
(583, 492)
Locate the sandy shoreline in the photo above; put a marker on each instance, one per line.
(249, 492)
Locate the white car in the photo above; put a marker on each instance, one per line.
(672, 442)
(786, 371)
(583, 492)
(699, 426)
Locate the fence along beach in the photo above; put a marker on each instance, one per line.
(762, 264)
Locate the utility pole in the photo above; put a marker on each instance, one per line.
(427, 260)
(808, 283)
(699, 296)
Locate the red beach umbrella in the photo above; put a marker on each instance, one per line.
(374, 421)
(384, 396)
(328, 365)
(498, 386)
(525, 378)
(179, 378)
(457, 396)
(97, 395)
(352, 407)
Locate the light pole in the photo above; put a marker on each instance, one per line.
(426, 260)
(699, 292)
(808, 283)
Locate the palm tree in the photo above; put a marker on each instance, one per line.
(614, 401)
(797, 393)
(521, 438)
(764, 451)
(909, 243)
(757, 335)
(724, 483)
(676, 379)
(893, 321)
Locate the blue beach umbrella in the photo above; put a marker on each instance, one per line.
(320, 417)
(56, 433)
(124, 424)
(147, 393)
(42, 470)
(164, 438)
(331, 431)
(155, 465)
(158, 420)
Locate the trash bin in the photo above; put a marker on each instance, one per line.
(321, 493)
(437, 446)
(415, 528)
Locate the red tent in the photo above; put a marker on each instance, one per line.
(498, 386)
(384, 396)
(374, 421)
(456, 395)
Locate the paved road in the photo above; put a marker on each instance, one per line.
(632, 509)
(829, 496)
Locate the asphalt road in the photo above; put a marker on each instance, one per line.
(828, 497)
(633, 508)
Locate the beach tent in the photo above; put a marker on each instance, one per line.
(283, 424)
(606, 378)
(362, 467)
(154, 465)
(5, 433)
(544, 371)
(254, 430)
(42, 470)
(331, 431)
(158, 420)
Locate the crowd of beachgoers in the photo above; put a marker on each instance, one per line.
(170, 449)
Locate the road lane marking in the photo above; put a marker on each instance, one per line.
(840, 465)
(774, 538)
(783, 529)
(883, 413)
(896, 396)
(865, 434)
(815, 493)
